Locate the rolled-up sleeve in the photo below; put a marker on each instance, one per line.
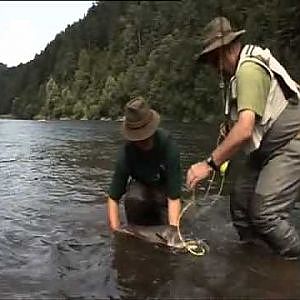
(253, 85)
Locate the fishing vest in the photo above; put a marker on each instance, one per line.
(277, 100)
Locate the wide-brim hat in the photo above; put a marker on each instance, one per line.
(216, 34)
(140, 121)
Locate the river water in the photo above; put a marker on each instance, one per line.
(54, 241)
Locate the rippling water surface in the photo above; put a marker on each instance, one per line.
(54, 242)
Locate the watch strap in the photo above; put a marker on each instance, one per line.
(210, 161)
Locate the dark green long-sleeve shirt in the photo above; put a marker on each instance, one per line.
(158, 167)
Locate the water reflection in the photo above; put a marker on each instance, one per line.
(153, 266)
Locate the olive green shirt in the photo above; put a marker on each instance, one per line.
(158, 167)
(253, 85)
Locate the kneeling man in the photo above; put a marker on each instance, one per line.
(147, 174)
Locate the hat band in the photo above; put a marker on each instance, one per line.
(141, 123)
(216, 37)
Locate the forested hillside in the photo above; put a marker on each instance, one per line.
(127, 48)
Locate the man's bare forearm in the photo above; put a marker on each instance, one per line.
(174, 208)
(113, 213)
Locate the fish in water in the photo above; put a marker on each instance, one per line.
(165, 235)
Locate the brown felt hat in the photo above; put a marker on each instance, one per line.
(217, 33)
(140, 121)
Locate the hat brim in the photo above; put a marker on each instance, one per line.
(219, 43)
(144, 132)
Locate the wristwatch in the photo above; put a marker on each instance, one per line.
(211, 163)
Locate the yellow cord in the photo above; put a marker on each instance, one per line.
(200, 248)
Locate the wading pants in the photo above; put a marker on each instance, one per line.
(263, 197)
(145, 205)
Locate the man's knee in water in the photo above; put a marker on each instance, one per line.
(135, 198)
(262, 216)
(276, 231)
(136, 191)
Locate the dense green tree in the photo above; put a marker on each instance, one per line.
(121, 49)
(52, 108)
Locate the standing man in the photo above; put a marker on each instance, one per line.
(147, 171)
(263, 101)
